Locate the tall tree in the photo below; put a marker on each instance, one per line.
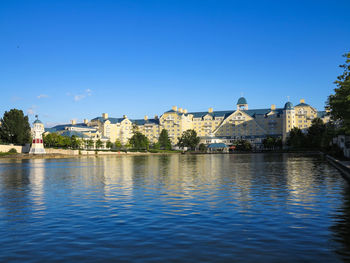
(139, 141)
(99, 144)
(109, 144)
(118, 145)
(15, 127)
(296, 138)
(75, 142)
(339, 103)
(90, 144)
(316, 133)
(243, 145)
(164, 140)
(189, 139)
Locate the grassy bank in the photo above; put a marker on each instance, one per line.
(2, 154)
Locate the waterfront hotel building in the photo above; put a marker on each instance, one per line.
(211, 126)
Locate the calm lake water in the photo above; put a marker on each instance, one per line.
(174, 208)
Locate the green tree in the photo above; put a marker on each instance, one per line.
(243, 145)
(99, 144)
(164, 140)
(74, 142)
(202, 147)
(272, 143)
(156, 146)
(15, 127)
(118, 145)
(315, 133)
(64, 142)
(268, 143)
(134, 128)
(339, 103)
(189, 139)
(109, 144)
(139, 141)
(90, 144)
(296, 138)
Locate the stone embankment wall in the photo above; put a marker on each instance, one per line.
(25, 149)
(343, 166)
(76, 152)
(19, 149)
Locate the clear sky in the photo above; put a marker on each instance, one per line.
(72, 59)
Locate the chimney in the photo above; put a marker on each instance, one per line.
(174, 108)
(146, 117)
(86, 121)
(125, 117)
(185, 111)
(210, 110)
(181, 110)
(273, 107)
(105, 116)
(302, 101)
(73, 122)
(156, 117)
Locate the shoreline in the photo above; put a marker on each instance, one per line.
(24, 156)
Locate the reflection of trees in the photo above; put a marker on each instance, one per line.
(341, 228)
(14, 189)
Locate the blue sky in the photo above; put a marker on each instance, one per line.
(76, 59)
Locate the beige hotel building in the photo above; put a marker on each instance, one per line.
(223, 126)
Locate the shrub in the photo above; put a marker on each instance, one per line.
(12, 150)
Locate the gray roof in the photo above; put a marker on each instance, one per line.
(302, 104)
(225, 114)
(255, 112)
(172, 111)
(37, 121)
(217, 145)
(288, 106)
(62, 127)
(112, 120)
(201, 114)
(118, 120)
(75, 133)
(242, 100)
(143, 121)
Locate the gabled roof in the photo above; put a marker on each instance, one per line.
(201, 114)
(254, 112)
(225, 114)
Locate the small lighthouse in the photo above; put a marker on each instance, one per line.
(37, 133)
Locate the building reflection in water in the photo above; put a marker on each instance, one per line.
(37, 180)
(282, 196)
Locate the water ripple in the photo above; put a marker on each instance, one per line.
(203, 208)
